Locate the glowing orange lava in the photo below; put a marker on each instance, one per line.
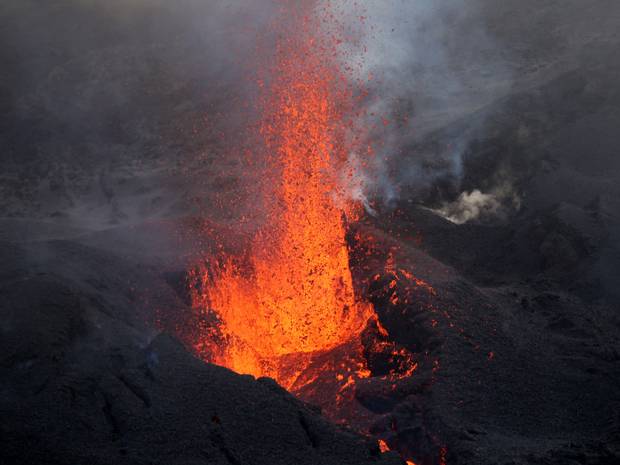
(383, 447)
(293, 294)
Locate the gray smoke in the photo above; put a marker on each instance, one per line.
(448, 77)
(431, 63)
(117, 111)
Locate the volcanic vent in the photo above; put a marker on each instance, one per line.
(293, 292)
(287, 305)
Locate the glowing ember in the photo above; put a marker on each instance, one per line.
(383, 447)
(294, 293)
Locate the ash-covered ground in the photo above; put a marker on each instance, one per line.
(120, 130)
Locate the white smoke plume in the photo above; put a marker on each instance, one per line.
(477, 205)
(469, 206)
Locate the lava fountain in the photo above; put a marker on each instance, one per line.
(292, 294)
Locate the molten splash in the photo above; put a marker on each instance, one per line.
(293, 293)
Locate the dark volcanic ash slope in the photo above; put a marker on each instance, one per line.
(527, 288)
(510, 371)
(82, 382)
(530, 360)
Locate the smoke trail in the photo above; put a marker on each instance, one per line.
(426, 64)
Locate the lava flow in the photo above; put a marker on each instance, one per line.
(293, 294)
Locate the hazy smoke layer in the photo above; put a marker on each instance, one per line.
(116, 111)
(121, 110)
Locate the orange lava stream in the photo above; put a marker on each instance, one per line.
(294, 293)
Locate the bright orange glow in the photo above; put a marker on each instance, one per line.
(294, 293)
(280, 302)
(443, 452)
(383, 447)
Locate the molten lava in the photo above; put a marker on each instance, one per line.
(293, 292)
(282, 303)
